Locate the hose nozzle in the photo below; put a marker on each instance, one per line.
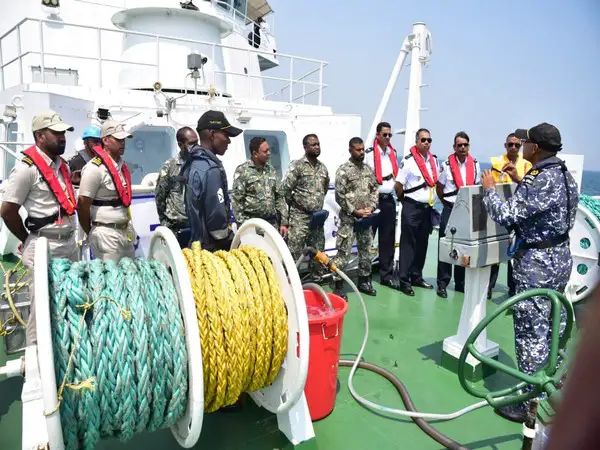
(321, 257)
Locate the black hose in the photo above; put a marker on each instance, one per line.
(408, 403)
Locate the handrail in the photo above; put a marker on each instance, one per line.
(291, 80)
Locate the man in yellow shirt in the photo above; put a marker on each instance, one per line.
(512, 158)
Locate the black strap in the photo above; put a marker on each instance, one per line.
(114, 202)
(547, 243)
(451, 193)
(36, 223)
(389, 177)
(416, 188)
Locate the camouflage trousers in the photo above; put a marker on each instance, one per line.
(301, 236)
(544, 268)
(344, 241)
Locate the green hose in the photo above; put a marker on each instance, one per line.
(591, 204)
(119, 349)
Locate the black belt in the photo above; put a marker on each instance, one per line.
(447, 204)
(116, 226)
(412, 201)
(548, 243)
(415, 189)
(451, 193)
(114, 203)
(35, 223)
(389, 196)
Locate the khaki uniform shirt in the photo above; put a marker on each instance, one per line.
(26, 187)
(96, 183)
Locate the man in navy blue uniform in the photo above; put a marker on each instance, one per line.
(207, 200)
(541, 212)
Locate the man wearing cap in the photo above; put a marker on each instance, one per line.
(170, 187)
(91, 138)
(206, 196)
(41, 183)
(105, 196)
(511, 158)
(541, 212)
(304, 188)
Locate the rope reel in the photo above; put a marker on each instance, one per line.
(585, 249)
(147, 344)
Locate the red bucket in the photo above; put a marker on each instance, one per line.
(325, 326)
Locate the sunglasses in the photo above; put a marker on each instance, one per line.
(423, 140)
(386, 135)
(513, 144)
(462, 145)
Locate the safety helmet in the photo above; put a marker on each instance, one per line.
(91, 132)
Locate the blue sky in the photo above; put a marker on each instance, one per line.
(496, 65)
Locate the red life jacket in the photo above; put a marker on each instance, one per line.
(455, 170)
(66, 200)
(430, 180)
(377, 161)
(123, 191)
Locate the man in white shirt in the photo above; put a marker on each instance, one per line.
(460, 169)
(415, 186)
(383, 159)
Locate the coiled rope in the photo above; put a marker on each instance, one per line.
(592, 204)
(242, 321)
(15, 280)
(119, 349)
(119, 340)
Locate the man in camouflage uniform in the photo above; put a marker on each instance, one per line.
(541, 212)
(356, 191)
(257, 189)
(304, 189)
(170, 187)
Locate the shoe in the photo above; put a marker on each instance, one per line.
(441, 292)
(422, 284)
(188, 5)
(339, 289)
(514, 413)
(459, 289)
(393, 284)
(365, 286)
(407, 290)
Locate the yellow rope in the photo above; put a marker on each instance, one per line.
(9, 289)
(242, 321)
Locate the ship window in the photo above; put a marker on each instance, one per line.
(148, 149)
(277, 140)
(54, 75)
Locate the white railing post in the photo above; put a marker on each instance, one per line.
(157, 58)
(42, 59)
(212, 49)
(321, 84)
(20, 50)
(248, 72)
(291, 79)
(1, 65)
(99, 57)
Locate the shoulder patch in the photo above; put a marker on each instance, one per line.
(408, 156)
(530, 177)
(369, 150)
(97, 161)
(27, 160)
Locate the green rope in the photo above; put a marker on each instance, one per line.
(591, 204)
(119, 349)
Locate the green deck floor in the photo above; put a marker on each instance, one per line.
(406, 335)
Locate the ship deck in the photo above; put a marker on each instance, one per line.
(406, 335)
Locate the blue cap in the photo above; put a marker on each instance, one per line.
(91, 132)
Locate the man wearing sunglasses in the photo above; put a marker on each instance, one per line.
(415, 187)
(502, 167)
(383, 159)
(542, 212)
(207, 200)
(460, 169)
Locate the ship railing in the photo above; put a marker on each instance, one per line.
(295, 79)
(10, 152)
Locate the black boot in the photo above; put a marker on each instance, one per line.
(339, 289)
(365, 286)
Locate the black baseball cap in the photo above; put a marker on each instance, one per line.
(544, 135)
(216, 120)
